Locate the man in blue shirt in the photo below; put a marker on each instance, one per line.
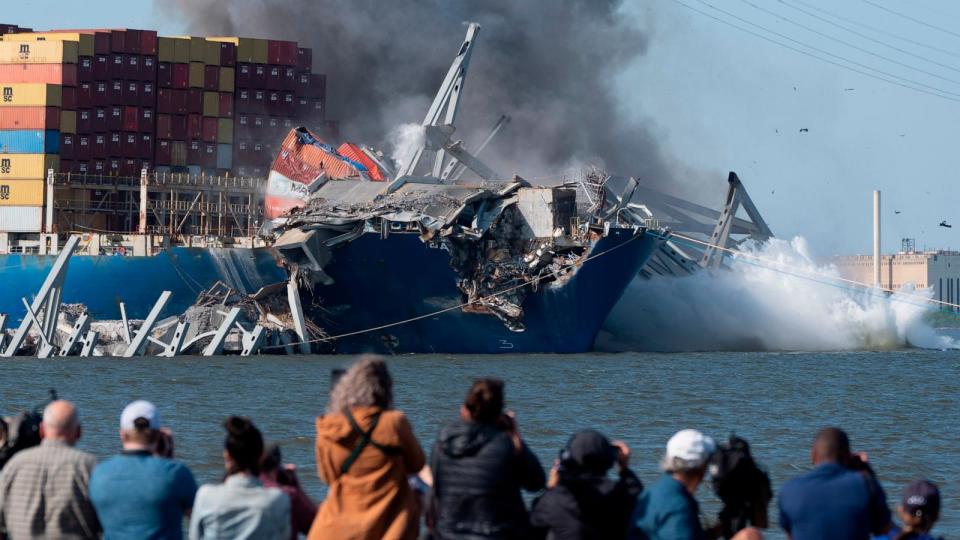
(136, 494)
(668, 511)
(833, 501)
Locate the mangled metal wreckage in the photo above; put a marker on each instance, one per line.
(465, 268)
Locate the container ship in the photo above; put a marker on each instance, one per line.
(167, 156)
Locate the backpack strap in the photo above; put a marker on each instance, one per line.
(366, 438)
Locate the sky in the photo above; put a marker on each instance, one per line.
(720, 99)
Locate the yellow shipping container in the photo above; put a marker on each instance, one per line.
(260, 51)
(196, 74)
(85, 42)
(68, 121)
(225, 131)
(181, 51)
(211, 54)
(166, 49)
(30, 95)
(249, 50)
(211, 104)
(21, 192)
(27, 166)
(197, 47)
(38, 52)
(227, 79)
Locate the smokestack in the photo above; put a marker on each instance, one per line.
(876, 238)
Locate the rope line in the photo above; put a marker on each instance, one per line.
(535, 279)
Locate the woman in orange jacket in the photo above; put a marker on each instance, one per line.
(365, 452)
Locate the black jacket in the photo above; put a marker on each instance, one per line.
(477, 478)
(586, 507)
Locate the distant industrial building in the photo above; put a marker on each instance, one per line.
(938, 270)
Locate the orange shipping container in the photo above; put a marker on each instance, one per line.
(304, 163)
(29, 118)
(63, 74)
(84, 42)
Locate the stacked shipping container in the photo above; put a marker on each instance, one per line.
(127, 100)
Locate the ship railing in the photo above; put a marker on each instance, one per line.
(161, 179)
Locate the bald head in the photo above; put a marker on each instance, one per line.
(831, 444)
(61, 422)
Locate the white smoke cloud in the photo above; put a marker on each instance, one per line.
(793, 304)
(404, 141)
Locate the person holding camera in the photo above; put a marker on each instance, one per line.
(839, 499)
(139, 494)
(581, 502)
(480, 465)
(275, 474)
(366, 450)
(668, 510)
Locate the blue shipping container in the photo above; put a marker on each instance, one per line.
(29, 141)
(224, 156)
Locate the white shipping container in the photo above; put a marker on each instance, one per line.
(21, 218)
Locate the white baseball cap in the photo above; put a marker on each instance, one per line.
(691, 447)
(140, 409)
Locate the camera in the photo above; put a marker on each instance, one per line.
(741, 485)
(21, 431)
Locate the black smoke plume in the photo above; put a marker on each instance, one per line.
(550, 64)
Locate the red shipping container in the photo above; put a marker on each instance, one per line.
(244, 75)
(257, 122)
(148, 42)
(259, 77)
(131, 93)
(85, 69)
(210, 130)
(145, 146)
(195, 100)
(194, 127)
(273, 123)
(211, 78)
(145, 164)
(83, 150)
(98, 166)
(101, 94)
(210, 155)
(178, 127)
(68, 144)
(128, 143)
(274, 103)
(118, 41)
(101, 67)
(117, 66)
(85, 94)
(228, 55)
(195, 153)
(274, 78)
(304, 59)
(164, 127)
(318, 108)
(181, 75)
(115, 93)
(132, 42)
(164, 75)
(179, 102)
(33, 118)
(85, 121)
(147, 120)
(289, 104)
(148, 68)
(148, 97)
(165, 100)
(289, 79)
(304, 106)
(242, 103)
(303, 84)
(63, 74)
(115, 119)
(273, 51)
(226, 105)
(68, 98)
(163, 152)
(288, 53)
(131, 119)
(131, 68)
(100, 120)
(258, 101)
(129, 166)
(99, 146)
(318, 86)
(113, 165)
(101, 43)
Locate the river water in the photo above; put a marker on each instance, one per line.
(901, 407)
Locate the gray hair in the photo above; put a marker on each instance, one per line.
(366, 384)
(682, 466)
(60, 415)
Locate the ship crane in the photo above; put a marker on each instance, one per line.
(431, 159)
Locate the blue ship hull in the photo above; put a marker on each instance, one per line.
(384, 281)
(102, 282)
(378, 281)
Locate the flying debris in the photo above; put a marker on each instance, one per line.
(896, 211)
(848, 89)
(804, 130)
(945, 224)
